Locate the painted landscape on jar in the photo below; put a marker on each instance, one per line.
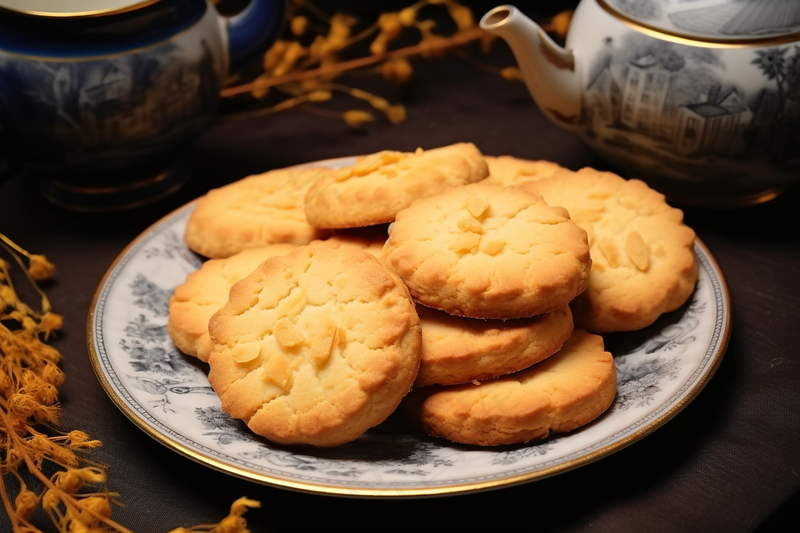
(655, 101)
(107, 107)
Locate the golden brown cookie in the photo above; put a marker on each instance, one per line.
(254, 211)
(315, 347)
(506, 170)
(370, 239)
(642, 252)
(205, 291)
(377, 186)
(560, 394)
(485, 251)
(459, 350)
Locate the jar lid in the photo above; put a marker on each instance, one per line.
(715, 21)
(72, 8)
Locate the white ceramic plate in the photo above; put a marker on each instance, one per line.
(660, 370)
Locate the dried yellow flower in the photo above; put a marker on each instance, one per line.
(99, 505)
(461, 15)
(511, 73)
(292, 54)
(390, 24)
(408, 16)
(273, 56)
(25, 503)
(234, 522)
(261, 86)
(52, 374)
(50, 500)
(81, 439)
(355, 118)
(320, 96)
(560, 23)
(299, 24)
(396, 114)
(8, 297)
(40, 268)
(379, 45)
(49, 323)
(26, 406)
(397, 71)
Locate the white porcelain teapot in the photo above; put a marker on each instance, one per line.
(700, 98)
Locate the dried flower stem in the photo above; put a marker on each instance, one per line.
(281, 106)
(338, 68)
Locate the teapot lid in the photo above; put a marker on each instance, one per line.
(73, 8)
(713, 21)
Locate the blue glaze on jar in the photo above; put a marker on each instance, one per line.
(117, 99)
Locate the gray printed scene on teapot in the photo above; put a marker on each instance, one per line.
(684, 106)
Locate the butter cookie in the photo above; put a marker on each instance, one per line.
(459, 350)
(205, 291)
(484, 251)
(254, 211)
(643, 260)
(379, 185)
(506, 170)
(316, 346)
(562, 393)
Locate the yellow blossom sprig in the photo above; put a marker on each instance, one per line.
(297, 68)
(75, 496)
(233, 523)
(299, 64)
(336, 69)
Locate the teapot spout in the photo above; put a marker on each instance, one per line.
(548, 69)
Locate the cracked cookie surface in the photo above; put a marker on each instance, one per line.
(484, 251)
(379, 185)
(254, 211)
(565, 391)
(204, 293)
(643, 260)
(315, 347)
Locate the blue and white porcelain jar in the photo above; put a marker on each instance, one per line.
(101, 99)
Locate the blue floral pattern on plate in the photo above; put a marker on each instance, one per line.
(660, 370)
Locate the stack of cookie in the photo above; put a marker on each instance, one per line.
(468, 295)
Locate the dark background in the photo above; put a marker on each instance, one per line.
(730, 461)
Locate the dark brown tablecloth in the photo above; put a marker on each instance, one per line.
(729, 462)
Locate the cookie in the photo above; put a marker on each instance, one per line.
(643, 254)
(560, 394)
(205, 291)
(315, 347)
(255, 211)
(485, 251)
(459, 350)
(370, 239)
(377, 186)
(506, 170)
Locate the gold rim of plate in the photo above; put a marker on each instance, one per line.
(400, 493)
